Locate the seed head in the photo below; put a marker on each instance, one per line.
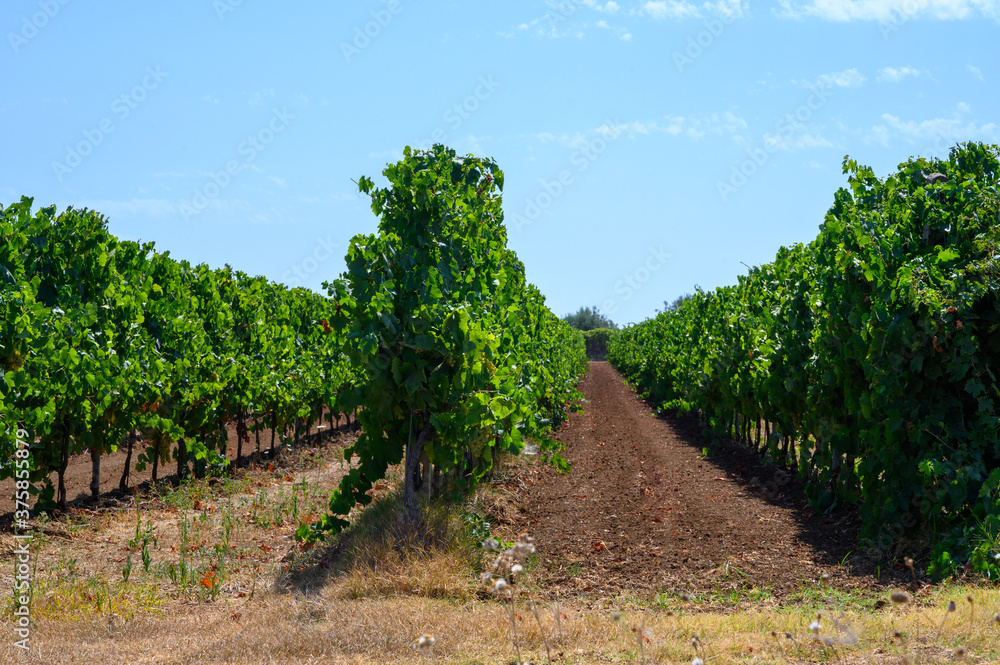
(685, 597)
(900, 597)
(996, 618)
(491, 544)
(424, 644)
(814, 627)
(486, 577)
(824, 578)
(951, 606)
(524, 547)
(695, 641)
(516, 568)
(499, 585)
(969, 600)
(909, 562)
(898, 634)
(960, 653)
(697, 661)
(774, 634)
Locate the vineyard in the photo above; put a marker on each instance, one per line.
(745, 479)
(864, 362)
(433, 334)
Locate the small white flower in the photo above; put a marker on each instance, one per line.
(697, 661)
(486, 577)
(491, 544)
(516, 568)
(499, 585)
(815, 627)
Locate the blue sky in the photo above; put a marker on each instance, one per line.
(647, 146)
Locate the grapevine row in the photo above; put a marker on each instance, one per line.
(868, 356)
(433, 338)
(104, 340)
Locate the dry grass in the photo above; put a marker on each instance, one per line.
(322, 628)
(368, 596)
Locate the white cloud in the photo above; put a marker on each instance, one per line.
(894, 74)
(727, 123)
(726, 8)
(812, 141)
(210, 99)
(849, 78)
(937, 134)
(257, 98)
(888, 10)
(670, 9)
(608, 7)
(975, 71)
(682, 9)
(619, 32)
(795, 139)
(280, 182)
(945, 127)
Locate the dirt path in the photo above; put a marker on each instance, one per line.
(643, 508)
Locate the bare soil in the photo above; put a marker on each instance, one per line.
(644, 508)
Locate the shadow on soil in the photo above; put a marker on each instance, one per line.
(117, 496)
(834, 535)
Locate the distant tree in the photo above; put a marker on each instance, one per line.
(678, 301)
(587, 318)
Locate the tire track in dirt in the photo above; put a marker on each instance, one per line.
(643, 509)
